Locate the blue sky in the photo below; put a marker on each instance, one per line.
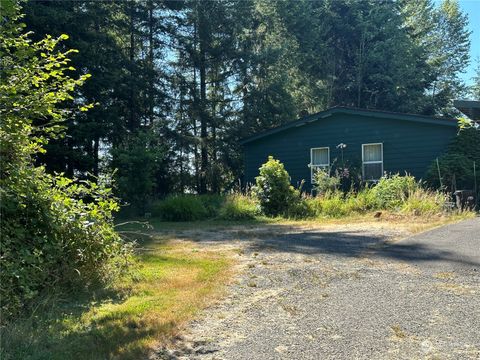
(472, 8)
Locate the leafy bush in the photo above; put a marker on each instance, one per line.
(273, 188)
(180, 208)
(324, 181)
(55, 231)
(239, 207)
(391, 192)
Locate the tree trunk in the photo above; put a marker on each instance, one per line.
(131, 125)
(151, 63)
(203, 101)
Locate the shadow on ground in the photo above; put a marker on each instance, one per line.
(347, 243)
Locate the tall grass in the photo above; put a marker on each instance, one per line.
(239, 207)
(234, 206)
(399, 194)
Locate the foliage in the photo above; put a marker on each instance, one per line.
(213, 204)
(180, 208)
(199, 76)
(324, 181)
(456, 166)
(424, 202)
(55, 231)
(239, 207)
(273, 188)
(136, 163)
(392, 191)
(396, 193)
(475, 89)
(331, 205)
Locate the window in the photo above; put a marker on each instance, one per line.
(319, 159)
(372, 159)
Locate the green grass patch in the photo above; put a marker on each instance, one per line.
(172, 281)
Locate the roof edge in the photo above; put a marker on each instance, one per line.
(354, 111)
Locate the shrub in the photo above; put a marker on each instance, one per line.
(391, 192)
(273, 188)
(239, 207)
(301, 208)
(56, 232)
(324, 181)
(180, 208)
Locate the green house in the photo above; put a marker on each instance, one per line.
(374, 142)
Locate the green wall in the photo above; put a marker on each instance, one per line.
(408, 146)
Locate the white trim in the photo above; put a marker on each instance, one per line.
(312, 166)
(371, 162)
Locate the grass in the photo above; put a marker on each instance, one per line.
(173, 280)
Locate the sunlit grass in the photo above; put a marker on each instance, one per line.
(172, 282)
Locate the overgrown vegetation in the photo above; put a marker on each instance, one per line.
(459, 168)
(55, 232)
(171, 282)
(273, 196)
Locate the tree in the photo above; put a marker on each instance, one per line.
(450, 55)
(476, 83)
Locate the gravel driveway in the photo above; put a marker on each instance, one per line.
(345, 292)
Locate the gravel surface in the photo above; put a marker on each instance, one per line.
(345, 292)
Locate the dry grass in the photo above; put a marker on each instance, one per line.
(403, 223)
(174, 280)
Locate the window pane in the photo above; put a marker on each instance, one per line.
(319, 156)
(372, 152)
(372, 171)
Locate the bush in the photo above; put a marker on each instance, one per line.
(325, 182)
(273, 188)
(180, 208)
(56, 232)
(391, 192)
(239, 207)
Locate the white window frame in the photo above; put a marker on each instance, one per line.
(371, 162)
(316, 166)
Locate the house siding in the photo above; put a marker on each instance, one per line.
(408, 146)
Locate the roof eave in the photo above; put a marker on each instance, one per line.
(360, 112)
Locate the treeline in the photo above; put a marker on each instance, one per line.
(176, 84)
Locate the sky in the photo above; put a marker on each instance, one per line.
(472, 9)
